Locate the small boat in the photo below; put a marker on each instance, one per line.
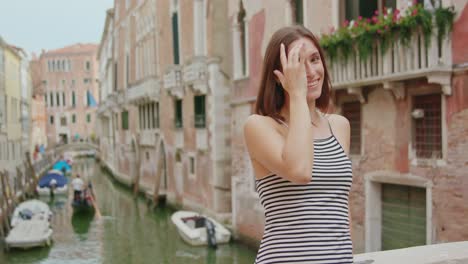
(28, 209)
(44, 185)
(83, 202)
(30, 226)
(199, 230)
(63, 166)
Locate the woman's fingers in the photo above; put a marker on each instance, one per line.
(283, 58)
(279, 75)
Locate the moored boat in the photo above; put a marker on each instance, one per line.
(30, 226)
(199, 230)
(53, 182)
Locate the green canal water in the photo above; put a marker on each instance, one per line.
(128, 232)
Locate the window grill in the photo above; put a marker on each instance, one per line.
(427, 138)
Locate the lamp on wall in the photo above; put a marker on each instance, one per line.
(417, 113)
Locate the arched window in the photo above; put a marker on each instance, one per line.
(175, 30)
(243, 37)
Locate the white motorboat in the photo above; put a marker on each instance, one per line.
(30, 233)
(199, 230)
(30, 226)
(60, 187)
(28, 209)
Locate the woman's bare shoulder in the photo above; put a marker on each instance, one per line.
(338, 121)
(259, 121)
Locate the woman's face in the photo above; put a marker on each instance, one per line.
(313, 66)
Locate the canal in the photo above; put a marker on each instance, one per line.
(129, 231)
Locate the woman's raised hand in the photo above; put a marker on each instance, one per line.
(293, 78)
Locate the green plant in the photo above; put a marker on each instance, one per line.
(363, 35)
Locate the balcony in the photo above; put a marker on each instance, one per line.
(195, 74)
(172, 81)
(391, 47)
(398, 63)
(143, 92)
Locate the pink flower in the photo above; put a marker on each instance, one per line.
(332, 29)
(379, 31)
(374, 19)
(397, 11)
(415, 12)
(376, 12)
(386, 27)
(346, 23)
(368, 20)
(359, 18)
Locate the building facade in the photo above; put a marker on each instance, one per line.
(168, 109)
(407, 109)
(68, 78)
(3, 133)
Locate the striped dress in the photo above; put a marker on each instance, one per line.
(309, 223)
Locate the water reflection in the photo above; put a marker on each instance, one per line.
(128, 232)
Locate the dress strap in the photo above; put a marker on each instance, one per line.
(329, 126)
(283, 123)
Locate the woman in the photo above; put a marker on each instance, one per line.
(299, 156)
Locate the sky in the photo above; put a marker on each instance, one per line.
(50, 24)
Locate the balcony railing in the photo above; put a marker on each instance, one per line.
(144, 91)
(172, 81)
(195, 74)
(398, 63)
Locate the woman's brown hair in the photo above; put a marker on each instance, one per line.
(271, 95)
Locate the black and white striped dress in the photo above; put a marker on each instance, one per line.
(309, 223)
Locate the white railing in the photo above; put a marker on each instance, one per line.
(144, 91)
(196, 70)
(179, 138)
(172, 81)
(201, 138)
(399, 62)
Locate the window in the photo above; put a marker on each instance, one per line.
(73, 118)
(63, 121)
(73, 83)
(63, 99)
(58, 98)
(88, 118)
(127, 70)
(243, 39)
(88, 65)
(125, 120)
(86, 80)
(88, 103)
(140, 117)
(178, 113)
(73, 99)
(365, 8)
(63, 83)
(45, 99)
(427, 137)
(175, 32)
(192, 165)
(51, 120)
(51, 99)
(199, 27)
(298, 11)
(115, 76)
(352, 111)
(157, 114)
(200, 116)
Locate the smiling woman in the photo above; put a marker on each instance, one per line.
(299, 155)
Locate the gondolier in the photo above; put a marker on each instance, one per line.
(77, 185)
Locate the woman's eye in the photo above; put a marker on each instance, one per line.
(314, 59)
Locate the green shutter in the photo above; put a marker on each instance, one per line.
(178, 114)
(125, 120)
(73, 118)
(88, 118)
(200, 116)
(403, 216)
(175, 36)
(73, 99)
(299, 12)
